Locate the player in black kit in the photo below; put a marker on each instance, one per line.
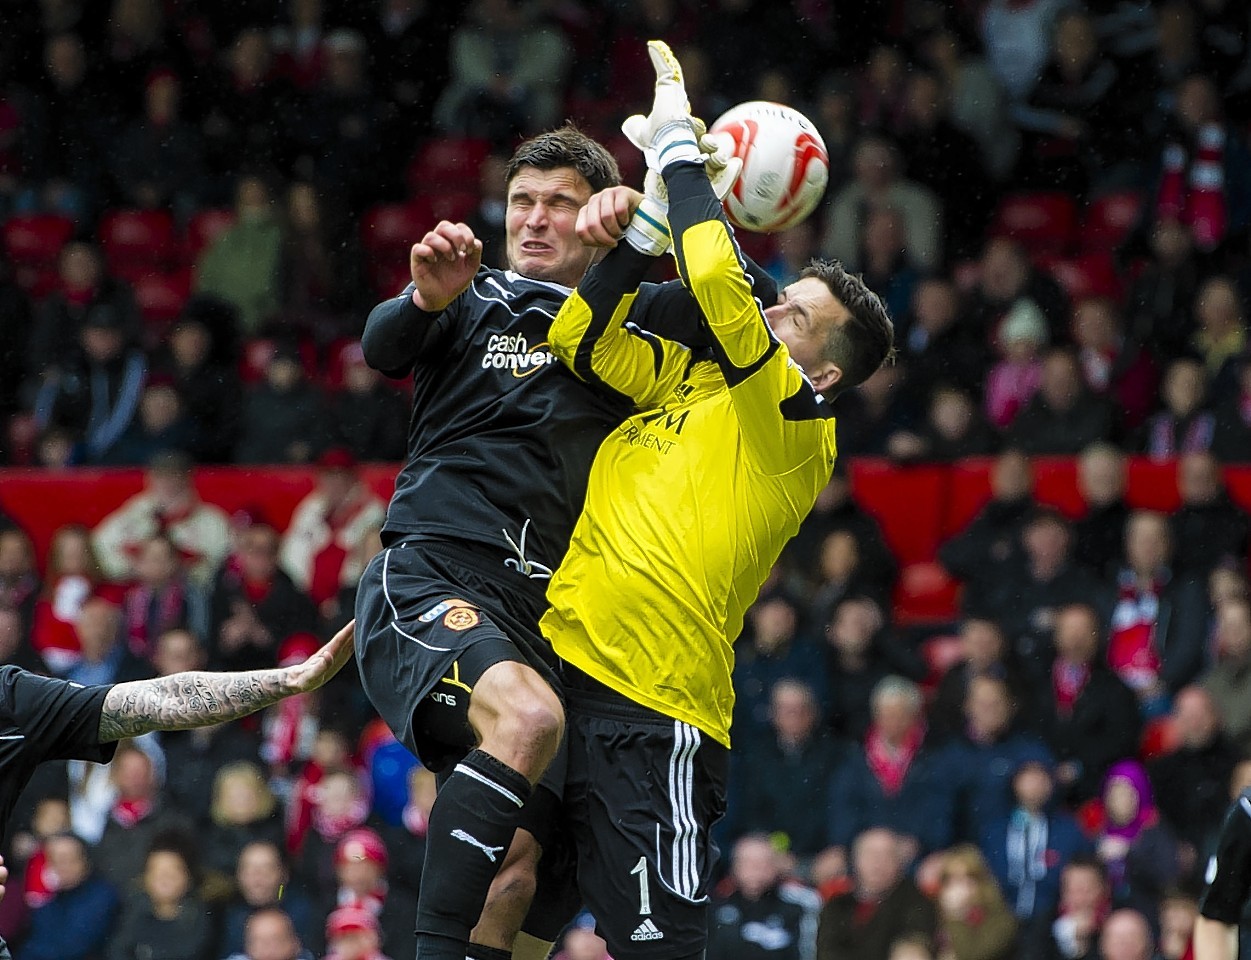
(1229, 887)
(47, 719)
(500, 446)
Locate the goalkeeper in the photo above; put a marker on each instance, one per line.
(688, 506)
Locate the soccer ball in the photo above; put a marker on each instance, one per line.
(785, 165)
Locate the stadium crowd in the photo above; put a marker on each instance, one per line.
(200, 202)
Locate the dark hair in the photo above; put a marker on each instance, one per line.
(566, 147)
(865, 341)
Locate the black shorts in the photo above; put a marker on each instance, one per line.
(430, 620)
(642, 794)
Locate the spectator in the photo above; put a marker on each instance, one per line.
(913, 946)
(1156, 640)
(1191, 781)
(1202, 174)
(1029, 849)
(167, 919)
(882, 89)
(15, 647)
(320, 550)
(1137, 849)
(1016, 36)
(1113, 367)
(19, 581)
(891, 779)
(983, 653)
(884, 258)
(1208, 529)
(1063, 416)
(979, 764)
(255, 605)
(96, 394)
(860, 653)
(1100, 533)
(1178, 913)
(973, 921)
(506, 67)
(977, 553)
(244, 812)
(405, 834)
(1088, 717)
(82, 288)
(261, 879)
(1232, 427)
(1161, 298)
(878, 182)
(370, 417)
(1085, 903)
(487, 219)
(243, 265)
(208, 388)
(168, 504)
(762, 917)
(360, 866)
(772, 648)
(785, 778)
(1228, 683)
(1005, 275)
(883, 905)
(1013, 381)
(162, 424)
(284, 416)
(340, 805)
(73, 575)
(1025, 596)
(1185, 425)
(162, 599)
(138, 817)
(837, 511)
(954, 428)
(938, 341)
(157, 164)
(76, 922)
(841, 579)
(1126, 935)
(353, 934)
(103, 654)
(269, 934)
(1221, 337)
(581, 942)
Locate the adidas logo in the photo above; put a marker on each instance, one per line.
(647, 931)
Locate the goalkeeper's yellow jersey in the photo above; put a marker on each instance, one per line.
(691, 500)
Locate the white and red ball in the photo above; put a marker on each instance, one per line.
(785, 165)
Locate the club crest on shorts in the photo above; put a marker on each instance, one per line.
(440, 608)
(461, 618)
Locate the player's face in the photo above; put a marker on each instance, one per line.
(802, 319)
(542, 213)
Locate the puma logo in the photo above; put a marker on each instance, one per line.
(475, 842)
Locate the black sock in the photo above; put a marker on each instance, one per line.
(477, 951)
(471, 827)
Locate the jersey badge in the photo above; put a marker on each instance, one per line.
(462, 618)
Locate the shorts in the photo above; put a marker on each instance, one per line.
(431, 620)
(642, 794)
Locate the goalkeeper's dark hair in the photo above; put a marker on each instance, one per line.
(566, 146)
(867, 339)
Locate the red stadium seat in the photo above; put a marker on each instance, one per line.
(336, 358)
(36, 240)
(968, 490)
(906, 501)
(447, 163)
(1088, 275)
(135, 241)
(161, 296)
(1109, 219)
(1159, 736)
(926, 593)
(204, 227)
(1044, 222)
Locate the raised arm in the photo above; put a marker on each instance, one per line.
(183, 701)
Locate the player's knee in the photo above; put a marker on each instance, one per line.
(538, 722)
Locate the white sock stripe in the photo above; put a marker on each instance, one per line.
(471, 772)
(689, 798)
(675, 854)
(685, 868)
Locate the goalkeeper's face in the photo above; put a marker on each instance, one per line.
(803, 318)
(542, 216)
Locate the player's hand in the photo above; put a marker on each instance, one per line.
(4, 877)
(443, 263)
(602, 222)
(325, 663)
(670, 104)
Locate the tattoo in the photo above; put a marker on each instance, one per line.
(187, 700)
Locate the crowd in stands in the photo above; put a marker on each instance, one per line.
(200, 202)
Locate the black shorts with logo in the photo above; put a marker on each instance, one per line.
(431, 618)
(642, 793)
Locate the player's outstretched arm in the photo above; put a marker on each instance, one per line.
(183, 701)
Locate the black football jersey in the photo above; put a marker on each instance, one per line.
(1229, 872)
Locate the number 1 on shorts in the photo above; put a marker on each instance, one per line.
(645, 894)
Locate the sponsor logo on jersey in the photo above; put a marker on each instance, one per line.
(513, 352)
(447, 699)
(652, 431)
(462, 618)
(442, 607)
(647, 931)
